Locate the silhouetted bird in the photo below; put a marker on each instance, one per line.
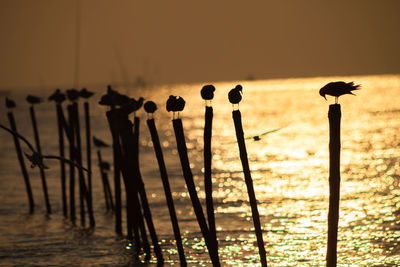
(84, 93)
(171, 102)
(133, 105)
(150, 107)
(33, 99)
(175, 104)
(73, 94)
(113, 98)
(99, 143)
(337, 89)
(235, 95)
(207, 92)
(180, 104)
(36, 158)
(57, 96)
(10, 103)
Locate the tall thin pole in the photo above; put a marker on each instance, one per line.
(39, 149)
(77, 43)
(60, 121)
(334, 116)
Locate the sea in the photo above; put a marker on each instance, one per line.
(289, 168)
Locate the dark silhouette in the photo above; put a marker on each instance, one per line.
(84, 93)
(258, 137)
(187, 174)
(99, 143)
(58, 98)
(207, 93)
(36, 100)
(132, 105)
(334, 116)
(175, 104)
(33, 99)
(151, 107)
(36, 158)
(11, 104)
(337, 89)
(235, 97)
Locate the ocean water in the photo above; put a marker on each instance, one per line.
(289, 168)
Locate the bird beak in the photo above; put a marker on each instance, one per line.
(325, 97)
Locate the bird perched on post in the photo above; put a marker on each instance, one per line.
(207, 92)
(337, 89)
(132, 105)
(235, 95)
(150, 107)
(99, 143)
(33, 99)
(57, 96)
(175, 104)
(10, 103)
(84, 93)
(73, 94)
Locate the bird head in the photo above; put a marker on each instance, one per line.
(239, 88)
(322, 92)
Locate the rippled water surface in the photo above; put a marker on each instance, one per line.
(289, 169)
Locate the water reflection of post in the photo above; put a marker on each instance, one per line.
(58, 98)
(235, 96)
(150, 108)
(207, 93)
(334, 116)
(11, 104)
(36, 100)
(177, 104)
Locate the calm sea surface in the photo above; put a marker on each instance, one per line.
(289, 169)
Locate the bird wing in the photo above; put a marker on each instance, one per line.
(19, 136)
(65, 160)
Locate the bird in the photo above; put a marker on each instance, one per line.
(10, 103)
(133, 105)
(175, 104)
(171, 103)
(57, 96)
(337, 89)
(36, 158)
(99, 143)
(84, 93)
(150, 107)
(113, 98)
(235, 95)
(258, 137)
(73, 94)
(33, 99)
(180, 104)
(207, 92)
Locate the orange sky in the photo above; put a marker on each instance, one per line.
(194, 41)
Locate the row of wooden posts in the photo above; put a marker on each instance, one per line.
(125, 145)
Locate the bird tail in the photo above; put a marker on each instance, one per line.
(354, 87)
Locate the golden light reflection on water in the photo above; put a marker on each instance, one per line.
(290, 173)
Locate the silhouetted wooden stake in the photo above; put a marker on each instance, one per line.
(207, 172)
(143, 197)
(22, 163)
(60, 121)
(167, 189)
(71, 137)
(334, 116)
(237, 118)
(88, 153)
(187, 173)
(112, 116)
(102, 173)
(38, 147)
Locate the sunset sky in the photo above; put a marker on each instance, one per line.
(194, 41)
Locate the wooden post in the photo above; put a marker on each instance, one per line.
(187, 173)
(103, 180)
(22, 163)
(88, 153)
(207, 172)
(167, 189)
(60, 120)
(237, 118)
(38, 148)
(71, 137)
(334, 116)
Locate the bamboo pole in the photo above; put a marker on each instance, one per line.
(38, 148)
(237, 118)
(60, 120)
(168, 195)
(334, 116)
(22, 163)
(187, 173)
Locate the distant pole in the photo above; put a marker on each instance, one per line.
(334, 116)
(167, 189)
(102, 172)
(22, 163)
(60, 119)
(88, 151)
(71, 137)
(38, 147)
(187, 173)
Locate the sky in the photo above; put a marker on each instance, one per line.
(167, 42)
